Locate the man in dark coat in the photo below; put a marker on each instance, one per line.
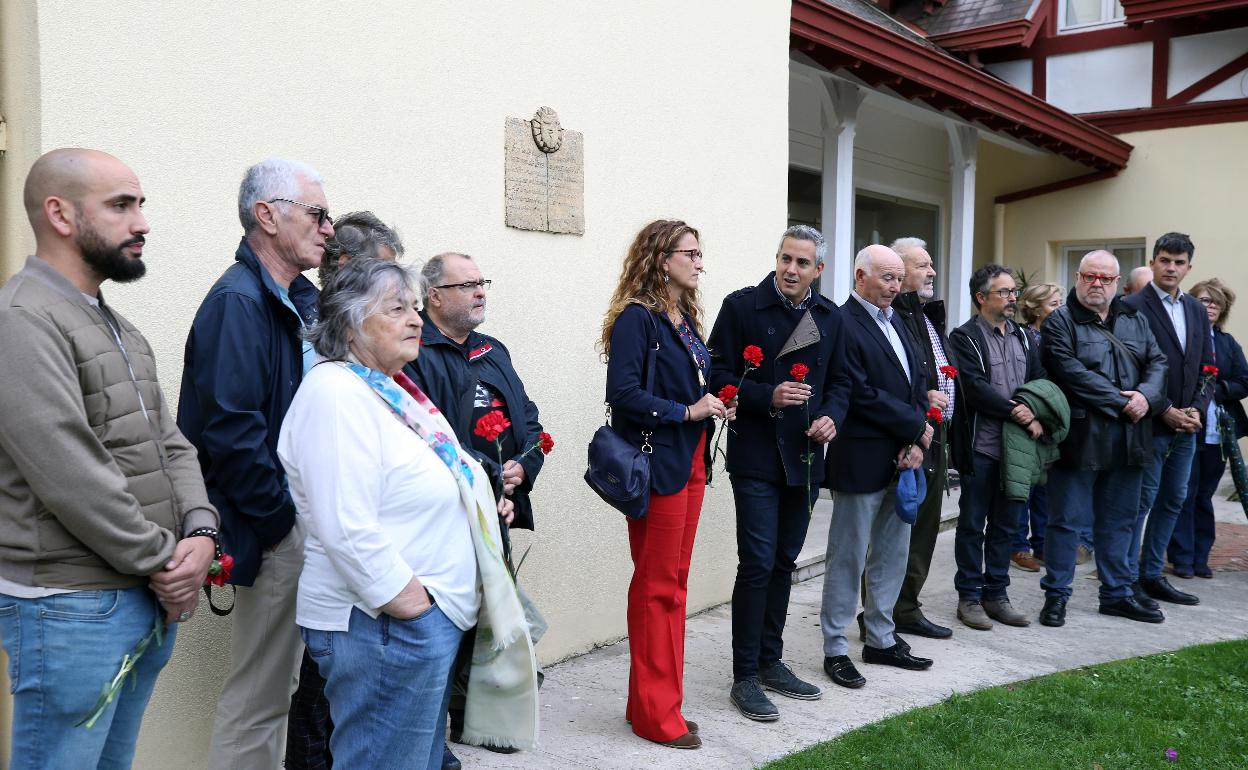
(924, 317)
(1102, 354)
(243, 362)
(1181, 326)
(775, 451)
(885, 431)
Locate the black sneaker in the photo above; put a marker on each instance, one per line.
(747, 695)
(778, 677)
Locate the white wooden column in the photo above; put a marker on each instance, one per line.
(840, 124)
(963, 142)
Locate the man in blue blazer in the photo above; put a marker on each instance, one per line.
(1181, 326)
(885, 431)
(775, 453)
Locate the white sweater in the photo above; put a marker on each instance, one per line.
(379, 504)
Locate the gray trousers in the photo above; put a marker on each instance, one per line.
(866, 535)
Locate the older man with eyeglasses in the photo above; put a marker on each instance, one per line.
(244, 360)
(468, 375)
(1101, 352)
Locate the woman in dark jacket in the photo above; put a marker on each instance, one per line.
(1194, 530)
(656, 307)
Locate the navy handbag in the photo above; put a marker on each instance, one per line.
(619, 472)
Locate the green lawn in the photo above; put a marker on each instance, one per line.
(1113, 716)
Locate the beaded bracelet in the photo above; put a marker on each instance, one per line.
(208, 532)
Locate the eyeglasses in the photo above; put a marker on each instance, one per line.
(693, 254)
(1095, 278)
(1007, 293)
(1209, 302)
(322, 214)
(483, 284)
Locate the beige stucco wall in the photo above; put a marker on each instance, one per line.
(401, 106)
(1185, 179)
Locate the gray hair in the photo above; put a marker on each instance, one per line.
(435, 269)
(862, 260)
(353, 294)
(904, 245)
(806, 233)
(270, 178)
(358, 234)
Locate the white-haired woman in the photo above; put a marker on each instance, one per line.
(397, 539)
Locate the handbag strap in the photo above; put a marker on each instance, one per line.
(1117, 343)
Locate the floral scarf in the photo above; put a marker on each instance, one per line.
(502, 707)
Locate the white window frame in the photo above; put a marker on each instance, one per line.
(1107, 18)
(1066, 252)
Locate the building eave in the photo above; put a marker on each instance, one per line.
(837, 39)
(1139, 11)
(1174, 116)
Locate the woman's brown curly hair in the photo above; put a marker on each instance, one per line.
(641, 278)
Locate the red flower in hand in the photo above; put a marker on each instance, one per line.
(753, 355)
(491, 425)
(545, 442)
(948, 371)
(220, 570)
(727, 393)
(1209, 370)
(799, 372)
(935, 415)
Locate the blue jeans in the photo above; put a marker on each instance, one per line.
(1032, 518)
(387, 681)
(1105, 501)
(62, 651)
(771, 528)
(1195, 529)
(1161, 499)
(984, 561)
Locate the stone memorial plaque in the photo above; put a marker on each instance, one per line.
(544, 175)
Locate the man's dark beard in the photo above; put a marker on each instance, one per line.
(109, 262)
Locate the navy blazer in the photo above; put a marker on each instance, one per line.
(886, 412)
(766, 443)
(1182, 366)
(1232, 384)
(676, 384)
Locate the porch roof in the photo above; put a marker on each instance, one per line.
(858, 39)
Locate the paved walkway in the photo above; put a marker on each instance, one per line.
(583, 698)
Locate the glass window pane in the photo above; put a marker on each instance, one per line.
(1083, 12)
(1118, 12)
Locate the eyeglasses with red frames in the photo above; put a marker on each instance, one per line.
(1095, 278)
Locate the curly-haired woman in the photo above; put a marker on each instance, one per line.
(656, 307)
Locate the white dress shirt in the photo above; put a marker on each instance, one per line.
(884, 319)
(1174, 308)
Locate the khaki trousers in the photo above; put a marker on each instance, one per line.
(249, 732)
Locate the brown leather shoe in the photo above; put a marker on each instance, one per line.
(686, 741)
(1025, 561)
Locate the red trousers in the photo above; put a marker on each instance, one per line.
(661, 545)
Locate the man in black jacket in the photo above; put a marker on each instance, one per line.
(243, 362)
(996, 358)
(924, 317)
(775, 451)
(1181, 326)
(1102, 354)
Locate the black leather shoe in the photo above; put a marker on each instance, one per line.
(449, 760)
(1129, 608)
(925, 628)
(842, 671)
(1053, 613)
(1160, 588)
(1142, 598)
(895, 656)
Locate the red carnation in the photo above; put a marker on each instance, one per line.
(491, 425)
(799, 372)
(949, 371)
(753, 355)
(727, 393)
(545, 441)
(1209, 370)
(219, 571)
(935, 415)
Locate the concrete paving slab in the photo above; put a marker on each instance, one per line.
(583, 699)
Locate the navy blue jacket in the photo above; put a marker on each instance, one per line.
(886, 412)
(1182, 366)
(676, 384)
(448, 373)
(1232, 384)
(766, 443)
(243, 363)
